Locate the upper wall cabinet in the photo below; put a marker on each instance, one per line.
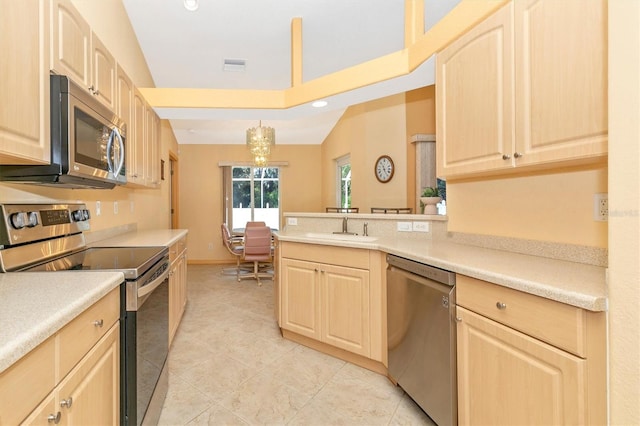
(79, 54)
(526, 87)
(24, 89)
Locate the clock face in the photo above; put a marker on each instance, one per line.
(384, 169)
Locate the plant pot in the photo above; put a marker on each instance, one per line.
(430, 204)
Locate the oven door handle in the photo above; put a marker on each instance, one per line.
(144, 290)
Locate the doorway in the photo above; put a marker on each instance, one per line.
(174, 191)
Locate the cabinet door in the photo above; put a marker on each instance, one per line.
(70, 43)
(345, 308)
(152, 158)
(92, 388)
(300, 297)
(24, 92)
(45, 411)
(136, 140)
(561, 79)
(474, 99)
(508, 378)
(177, 291)
(104, 73)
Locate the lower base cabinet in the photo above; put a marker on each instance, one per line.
(506, 376)
(90, 394)
(332, 295)
(73, 377)
(177, 285)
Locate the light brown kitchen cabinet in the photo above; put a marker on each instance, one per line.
(78, 53)
(24, 67)
(527, 87)
(90, 393)
(523, 359)
(75, 372)
(136, 141)
(152, 156)
(143, 145)
(177, 285)
(332, 295)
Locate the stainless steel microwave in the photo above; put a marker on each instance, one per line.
(87, 143)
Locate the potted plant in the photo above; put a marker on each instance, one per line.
(430, 198)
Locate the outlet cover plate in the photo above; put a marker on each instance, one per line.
(421, 226)
(601, 207)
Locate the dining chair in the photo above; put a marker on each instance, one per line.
(341, 210)
(235, 246)
(397, 210)
(258, 249)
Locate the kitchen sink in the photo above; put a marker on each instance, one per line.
(340, 237)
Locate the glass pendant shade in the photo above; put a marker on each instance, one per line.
(259, 141)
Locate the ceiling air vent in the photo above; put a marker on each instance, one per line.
(234, 65)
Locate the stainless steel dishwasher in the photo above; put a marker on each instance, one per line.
(422, 335)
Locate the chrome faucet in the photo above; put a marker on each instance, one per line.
(345, 221)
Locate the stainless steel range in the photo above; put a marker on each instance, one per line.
(49, 237)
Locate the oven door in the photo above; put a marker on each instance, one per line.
(146, 343)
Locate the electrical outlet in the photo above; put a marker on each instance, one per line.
(601, 207)
(405, 226)
(131, 207)
(210, 246)
(293, 221)
(98, 208)
(115, 207)
(421, 226)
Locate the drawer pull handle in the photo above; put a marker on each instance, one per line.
(54, 418)
(506, 157)
(66, 402)
(98, 323)
(517, 155)
(501, 305)
(458, 319)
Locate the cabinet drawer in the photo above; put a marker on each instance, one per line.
(77, 337)
(341, 256)
(27, 382)
(556, 323)
(177, 248)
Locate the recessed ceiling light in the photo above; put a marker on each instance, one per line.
(319, 104)
(191, 5)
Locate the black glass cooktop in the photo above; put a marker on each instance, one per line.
(132, 261)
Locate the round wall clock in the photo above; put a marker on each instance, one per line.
(384, 168)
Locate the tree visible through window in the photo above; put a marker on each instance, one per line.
(343, 181)
(255, 195)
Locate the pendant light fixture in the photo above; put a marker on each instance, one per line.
(259, 141)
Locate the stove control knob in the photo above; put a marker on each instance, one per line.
(18, 220)
(80, 215)
(32, 219)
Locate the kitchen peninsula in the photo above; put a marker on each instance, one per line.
(515, 312)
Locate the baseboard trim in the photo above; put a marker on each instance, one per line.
(356, 359)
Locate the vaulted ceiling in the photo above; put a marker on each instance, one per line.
(187, 50)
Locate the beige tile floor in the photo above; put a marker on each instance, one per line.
(229, 365)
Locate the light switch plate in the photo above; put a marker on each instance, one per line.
(405, 226)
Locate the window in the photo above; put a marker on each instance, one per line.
(343, 181)
(254, 196)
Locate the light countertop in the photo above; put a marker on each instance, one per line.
(144, 238)
(35, 305)
(572, 283)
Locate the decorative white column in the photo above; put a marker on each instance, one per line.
(425, 163)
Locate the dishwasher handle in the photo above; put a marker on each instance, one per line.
(438, 287)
